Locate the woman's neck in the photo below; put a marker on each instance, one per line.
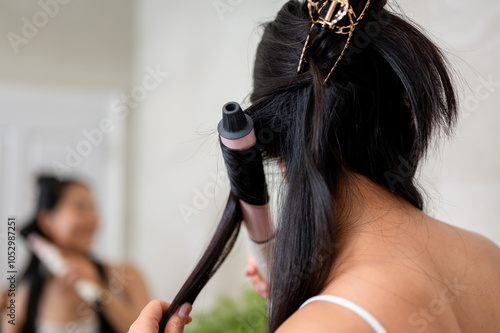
(375, 221)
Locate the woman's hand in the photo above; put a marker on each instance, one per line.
(150, 317)
(74, 266)
(257, 280)
(78, 267)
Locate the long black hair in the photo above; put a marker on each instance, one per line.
(375, 116)
(51, 191)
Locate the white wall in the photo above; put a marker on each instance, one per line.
(67, 43)
(174, 146)
(463, 176)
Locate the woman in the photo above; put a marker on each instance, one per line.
(352, 97)
(49, 303)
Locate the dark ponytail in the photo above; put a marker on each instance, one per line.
(51, 191)
(375, 117)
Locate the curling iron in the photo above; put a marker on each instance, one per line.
(248, 202)
(53, 260)
(244, 164)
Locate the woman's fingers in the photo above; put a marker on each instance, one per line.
(151, 315)
(251, 268)
(262, 289)
(257, 280)
(79, 267)
(179, 319)
(149, 319)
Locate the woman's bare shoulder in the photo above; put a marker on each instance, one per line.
(398, 301)
(415, 292)
(125, 270)
(127, 278)
(477, 249)
(474, 261)
(12, 324)
(322, 317)
(391, 305)
(479, 242)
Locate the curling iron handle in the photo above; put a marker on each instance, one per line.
(257, 221)
(261, 231)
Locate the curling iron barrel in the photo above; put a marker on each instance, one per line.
(243, 159)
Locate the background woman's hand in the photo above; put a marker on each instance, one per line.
(261, 286)
(150, 317)
(79, 267)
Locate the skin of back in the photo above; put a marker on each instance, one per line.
(415, 275)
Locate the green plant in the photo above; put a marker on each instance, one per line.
(230, 315)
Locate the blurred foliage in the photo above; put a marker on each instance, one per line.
(244, 315)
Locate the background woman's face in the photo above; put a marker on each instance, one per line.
(71, 225)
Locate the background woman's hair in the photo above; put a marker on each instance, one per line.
(51, 191)
(375, 117)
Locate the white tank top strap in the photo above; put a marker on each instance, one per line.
(365, 315)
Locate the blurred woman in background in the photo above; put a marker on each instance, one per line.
(49, 303)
